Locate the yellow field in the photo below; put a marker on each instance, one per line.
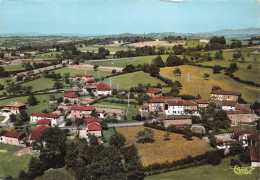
(161, 151)
(3, 151)
(197, 85)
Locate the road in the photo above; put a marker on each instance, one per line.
(100, 68)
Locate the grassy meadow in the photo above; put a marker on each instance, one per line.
(134, 61)
(193, 43)
(56, 174)
(219, 172)
(107, 134)
(161, 151)
(110, 48)
(42, 99)
(16, 67)
(198, 85)
(47, 55)
(126, 81)
(11, 165)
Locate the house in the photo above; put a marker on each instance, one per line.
(226, 144)
(241, 117)
(81, 111)
(36, 132)
(181, 108)
(153, 92)
(221, 95)
(144, 108)
(156, 39)
(202, 103)
(46, 122)
(94, 128)
(243, 107)
(158, 103)
(228, 105)
(55, 118)
(90, 81)
(249, 137)
(177, 120)
(13, 138)
(14, 107)
(103, 89)
(204, 40)
(73, 98)
(254, 156)
(93, 119)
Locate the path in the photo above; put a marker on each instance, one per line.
(6, 117)
(89, 67)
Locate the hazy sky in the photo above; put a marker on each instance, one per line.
(126, 16)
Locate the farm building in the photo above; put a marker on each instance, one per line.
(181, 108)
(158, 103)
(249, 137)
(81, 111)
(241, 117)
(14, 107)
(36, 132)
(13, 138)
(228, 105)
(177, 120)
(71, 97)
(153, 92)
(103, 89)
(221, 95)
(202, 103)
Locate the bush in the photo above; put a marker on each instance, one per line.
(245, 157)
(235, 162)
(213, 158)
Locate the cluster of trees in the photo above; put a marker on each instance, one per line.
(236, 44)
(28, 66)
(215, 120)
(3, 73)
(19, 119)
(17, 89)
(47, 74)
(216, 43)
(84, 160)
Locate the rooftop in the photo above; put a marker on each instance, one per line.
(153, 90)
(71, 95)
(82, 108)
(48, 115)
(103, 87)
(36, 132)
(12, 134)
(229, 103)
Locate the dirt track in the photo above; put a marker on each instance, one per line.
(155, 43)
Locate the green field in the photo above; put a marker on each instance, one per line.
(219, 172)
(17, 67)
(47, 55)
(11, 165)
(133, 109)
(110, 48)
(43, 102)
(56, 174)
(193, 43)
(107, 134)
(126, 81)
(76, 71)
(198, 85)
(134, 61)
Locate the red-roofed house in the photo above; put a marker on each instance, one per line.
(13, 138)
(204, 40)
(153, 92)
(36, 132)
(81, 111)
(241, 117)
(92, 119)
(14, 107)
(228, 105)
(249, 137)
(221, 95)
(158, 103)
(46, 122)
(255, 156)
(243, 107)
(91, 81)
(55, 118)
(202, 103)
(93, 128)
(73, 98)
(103, 89)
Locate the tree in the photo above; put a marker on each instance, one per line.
(1, 87)
(24, 116)
(216, 69)
(177, 72)
(32, 101)
(235, 162)
(13, 118)
(206, 76)
(249, 66)
(36, 167)
(52, 146)
(117, 140)
(95, 67)
(58, 85)
(245, 157)
(158, 61)
(213, 158)
(145, 136)
(214, 88)
(113, 71)
(235, 149)
(18, 123)
(93, 140)
(79, 121)
(154, 70)
(187, 133)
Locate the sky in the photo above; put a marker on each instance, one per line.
(100, 17)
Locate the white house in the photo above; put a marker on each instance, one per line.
(55, 118)
(228, 105)
(103, 89)
(204, 40)
(181, 108)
